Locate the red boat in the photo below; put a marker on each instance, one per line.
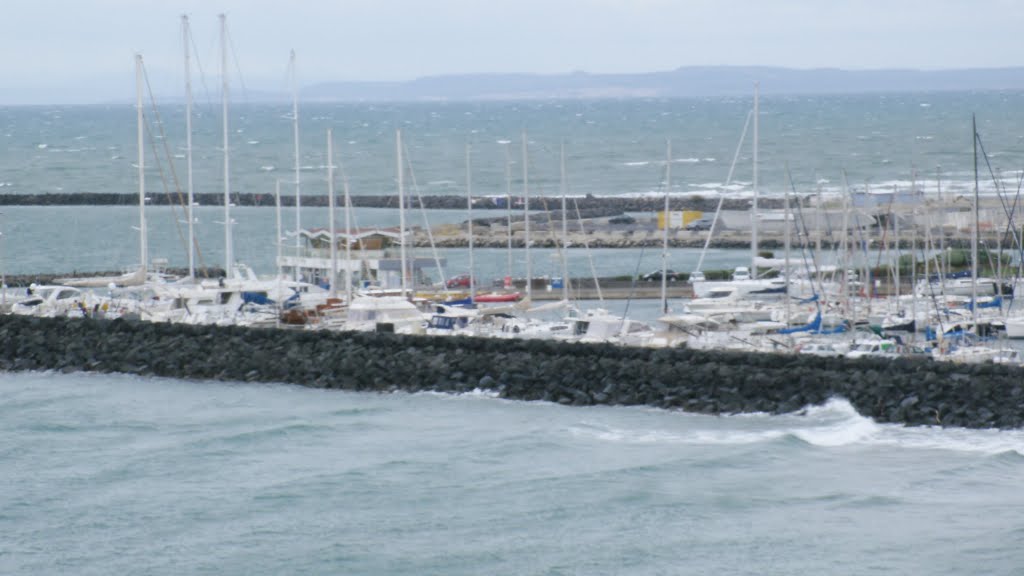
(509, 297)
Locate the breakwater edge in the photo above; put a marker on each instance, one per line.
(906, 391)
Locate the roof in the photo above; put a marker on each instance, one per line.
(357, 234)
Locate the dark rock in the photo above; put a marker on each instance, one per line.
(714, 382)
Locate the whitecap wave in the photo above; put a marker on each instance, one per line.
(986, 442)
(835, 423)
(482, 393)
(694, 437)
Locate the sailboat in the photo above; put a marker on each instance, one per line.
(745, 282)
(138, 276)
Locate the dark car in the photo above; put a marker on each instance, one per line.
(622, 220)
(460, 281)
(671, 275)
(699, 224)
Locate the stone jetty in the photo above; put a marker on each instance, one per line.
(588, 205)
(905, 391)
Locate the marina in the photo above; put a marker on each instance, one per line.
(885, 273)
(513, 287)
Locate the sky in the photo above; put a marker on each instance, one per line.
(59, 51)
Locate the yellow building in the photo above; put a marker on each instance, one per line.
(678, 218)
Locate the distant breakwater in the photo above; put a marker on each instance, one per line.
(597, 205)
(906, 391)
(23, 280)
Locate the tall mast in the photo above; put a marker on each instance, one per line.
(186, 37)
(348, 242)
(943, 263)
(664, 232)
(753, 209)
(401, 207)
(974, 233)
(896, 237)
(333, 292)
(469, 225)
(844, 243)
(139, 83)
(229, 251)
(277, 210)
(508, 204)
(277, 243)
(526, 212)
(787, 241)
(295, 139)
(565, 231)
(818, 216)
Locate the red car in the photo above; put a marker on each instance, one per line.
(460, 281)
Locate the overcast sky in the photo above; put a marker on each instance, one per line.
(50, 46)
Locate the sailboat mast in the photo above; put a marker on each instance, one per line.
(401, 208)
(333, 291)
(277, 244)
(229, 255)
(753, 208)
(565, 231)
(896, 243)
(186, 37)
(943, 249)
(788, 244)
(139, 83)
(295, 140)
(526, 229)
(277, 211)
(974, 233)
(844, 246)
(508, 204)
(469, 224)
(348, 242)
(664, 235)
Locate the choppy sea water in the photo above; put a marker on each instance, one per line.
(62, 239)
(879, 141)
(114, 474)
(612, 146)
(111, 474)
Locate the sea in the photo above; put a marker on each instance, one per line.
(806, 144)
(108, 474)
(103, 474)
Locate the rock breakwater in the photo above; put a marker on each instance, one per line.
(591, 205)
(907, 391)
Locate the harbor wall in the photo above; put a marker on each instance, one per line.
(604, 204)
(906, 391)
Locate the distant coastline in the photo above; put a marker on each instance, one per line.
(683, 82)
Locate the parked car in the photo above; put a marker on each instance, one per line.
(699, 224)
(741, 273)
(460, 281)
(671, 275)
(622, 220)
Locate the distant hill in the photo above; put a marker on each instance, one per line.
(692, 81)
